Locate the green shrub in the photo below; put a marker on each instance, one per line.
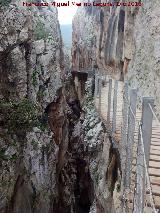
(13, 157)
(34, 144)
(3, 156)
(34, 77)
(118, 187)
(40, 31)
(4, 3)
(19, 115)
(42, 122)
(40, 94)
(43, 126)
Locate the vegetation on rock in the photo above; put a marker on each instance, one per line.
(19, 115)
(40, 31)
(5, 3)
(34, 77)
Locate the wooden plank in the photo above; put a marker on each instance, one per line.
(148, 209)
(156, 200)
(156, 141)
(155, 180)
(154, 172)
(155, 152)
(155, 147)
(155, 137)
(156, 190)
(155, 132)
(155, 144)
(155, 158)
(154, 164)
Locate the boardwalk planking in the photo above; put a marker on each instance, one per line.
(154, 163)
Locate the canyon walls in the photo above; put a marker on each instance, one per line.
(144, 67)
(121, 41)
(44, 159)
(39, 112)
(103, 159)
(55, 155)
(83, 41)
(31, 78)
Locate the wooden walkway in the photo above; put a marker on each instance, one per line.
(101, 103)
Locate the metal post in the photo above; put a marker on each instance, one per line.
(96, 86)
(109, 101)
(100, 88)
(98, 79)
(139, 190)
(131, 130)
(124, 125)
(123, 145)
(105, 77)
(114, 107)
(147, 118)
(144, 140)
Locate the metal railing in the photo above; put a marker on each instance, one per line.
(135, 181)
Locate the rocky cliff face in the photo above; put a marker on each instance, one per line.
(31, 73)
(83, 41)
(37, 116)
(124, 43)
(103, 159)
(109, 32)
(54, 155)
(144, 67)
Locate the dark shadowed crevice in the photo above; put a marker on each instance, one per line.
(113, 167)
(73, 178)
(84, 190)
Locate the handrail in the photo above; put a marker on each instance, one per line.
(147, 173)
(143, 125)
(154, 114)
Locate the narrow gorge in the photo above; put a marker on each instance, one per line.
(56, 155)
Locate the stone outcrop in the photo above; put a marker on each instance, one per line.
(31, 74)
(108, 33)
(103, 157)
(55, 155)
(123, 42)
(144, 67)
(37, 116)
(83, 41)
(43, 160)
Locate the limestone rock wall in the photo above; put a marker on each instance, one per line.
(126, 43)
(43, 163)
(83, 41)
(110, 32)
(32, 99)
(103, 158)
(144, 67)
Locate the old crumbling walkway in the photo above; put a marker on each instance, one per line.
(136, 132)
